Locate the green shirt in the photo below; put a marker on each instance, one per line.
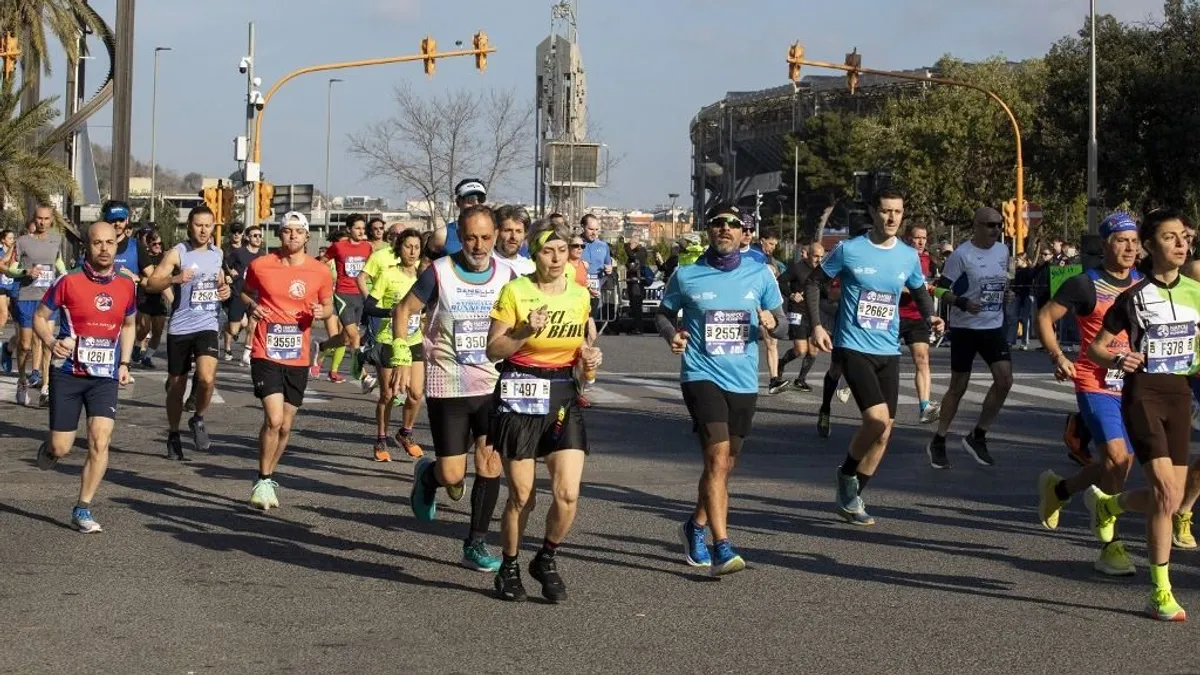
(389, 288)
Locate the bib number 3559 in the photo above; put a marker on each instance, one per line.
(285, 342)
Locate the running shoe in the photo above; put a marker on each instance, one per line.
(246, 359)
(200, 434)
(147, 362)
(314, 368)
(1103, 523)
(336, 378)
(776, 385)
(81, 519)
(423, 504)
(1077, 450)
(35, 380)
(725, 559)
(45, 460)
(367, 383)
(801, 385)
(1162, 606)
(477, 557)
(381, 453)
(1049, 505)
(1115, 561)
(263, 497)
(931, 413)
(508, 584)
(695, 550)
(190, 404)
(410, 446)
(823, 424)
(977, 448)
(843, 394)
(544, 570)
(937, 453)
(1181, 530)
(6, 359)
(850, 505)
(455, 492)
(22, 396)
(44, 397)
(175, 447)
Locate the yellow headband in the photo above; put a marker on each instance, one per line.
(542, 239)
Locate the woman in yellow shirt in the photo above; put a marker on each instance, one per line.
(538, 332)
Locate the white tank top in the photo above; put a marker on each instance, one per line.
(456, 363)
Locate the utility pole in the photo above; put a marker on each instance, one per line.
(328, 141)
(122, 102)
(250, 210)
(154, 135)
(1093, 204)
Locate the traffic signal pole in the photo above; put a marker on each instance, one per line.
(429, 54)
(853, 70)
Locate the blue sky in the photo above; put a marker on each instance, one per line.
(651, 64)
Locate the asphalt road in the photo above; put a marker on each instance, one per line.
(957, 576)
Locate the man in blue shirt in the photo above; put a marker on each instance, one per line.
(597, 256)
(874, 270)
(468, 192)
(725, 299)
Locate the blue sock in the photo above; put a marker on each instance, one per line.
(924, 405)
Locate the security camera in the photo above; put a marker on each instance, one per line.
(244, 64)
(257, 100)
(257, 81)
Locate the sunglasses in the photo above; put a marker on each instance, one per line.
(991, 224)
(728, 221)
(576, 245)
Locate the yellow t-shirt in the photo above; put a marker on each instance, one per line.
(557, 345)
(377, 263)
(390, 287)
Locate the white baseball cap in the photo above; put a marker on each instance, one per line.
(294, 219)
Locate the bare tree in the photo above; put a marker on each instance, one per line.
(431, 143)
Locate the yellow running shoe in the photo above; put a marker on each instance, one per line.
(1162, 606)
(1181, 534)
(1104, 524)
(1049, 504)
(1115, 561)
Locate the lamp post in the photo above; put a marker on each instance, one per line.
(328, 137)
(1093, 147)
(154, 133)
(674, 196)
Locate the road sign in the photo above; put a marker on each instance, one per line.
(1033, 214)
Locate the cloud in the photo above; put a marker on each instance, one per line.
(396, 10)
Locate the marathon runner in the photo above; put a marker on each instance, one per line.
(539, 332)
(874, 270)
(445, 240)
(91, 359)
(237, 261)
(349, 258)
(285, 292)
(791, 284)
(725, 298)
(1098, 390)
(915, 332)
(974, 282)
(152, 307)
(396, 376)
(831, 296)
(513, 223)
(8, 296)
(39, 263)
(193, 270)
(1159, 313)
(598, 257)
(459, 291)
(1181, 522)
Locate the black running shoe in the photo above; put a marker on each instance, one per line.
(544, 569)
(823, 424)
(937, 453)
(776, 385)
(801, 385)
(977, 448)
(508, 583)
(175, 447)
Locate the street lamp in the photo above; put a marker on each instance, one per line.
(673, 196)
(154, 133)
(328, 137)
(1093, 147)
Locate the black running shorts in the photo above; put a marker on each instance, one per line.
(456, 422)
(272, 378)
(183, 350)
(873, 379)
(965, 343)
(517, 435)
(709, 404)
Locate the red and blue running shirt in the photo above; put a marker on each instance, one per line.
(1090, 295)
(93, 310)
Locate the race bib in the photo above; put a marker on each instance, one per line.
(876, 310)
(525, 394)
(354, 266)
(726, 332)
(991, 298)
(1114, 379)
(594, 283)
(96, 356)
(795, 319)
(470, 340)
(45, 278)
(1170, 347)
(285, 342)
(414, 323)
(204, 294)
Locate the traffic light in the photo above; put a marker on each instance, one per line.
(227, 196)
(266, 192)
(481, 44)
(795, 56)
(1010, 218)
(853, 60)
(428, 50)
(212, 199)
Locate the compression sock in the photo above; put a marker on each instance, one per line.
(806, 365)
(338, 355)
(485, 492)
(850, 466)
(830, 387)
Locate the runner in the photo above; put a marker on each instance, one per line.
(192, 270)
(8, 294)
(598, 257)
(459, 291)
(445, 240)
(335, 336)
(376, 228)
(349, 258)
(152, 307)
(1098, 391)
(539, 332)
(791, 283)
(38, 264)
(285, 291)
(91, 359)
(513, 223)
(874, 270)
(237, 261)
(1159, 313)
(915, 332)
(974, 283)
(725, 298)
(396, 376)
(1181, 522)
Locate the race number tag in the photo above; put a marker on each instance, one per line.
(96, 356)
(414, 323)
(285, 342)
(594, 283)
(355, 265)
(1114, 379)
(1170, 347)
(204, 294)
(795, 319)
(726, 332)
(525, 394)
(45, 278)
(991, 297)
(876, 310)
(470, 340)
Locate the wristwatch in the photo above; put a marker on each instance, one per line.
(123, 363)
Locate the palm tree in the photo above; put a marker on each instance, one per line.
(34, 20)
(24, 172)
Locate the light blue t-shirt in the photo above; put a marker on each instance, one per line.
(453, 243)
(755, 254)
(197, 307)
(873, 278)
(720, 315)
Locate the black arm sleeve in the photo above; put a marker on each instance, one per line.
(920, 295)
(781, 330)
(812, 295)
(1117, 319)
(664, 323)
(371, 308)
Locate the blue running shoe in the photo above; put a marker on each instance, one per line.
(725, 559)
(424, 506)
(850, 505)
(35, 380)
(81, 519)
(695, 550)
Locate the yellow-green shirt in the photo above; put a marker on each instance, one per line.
(377, 263)
(389, 289)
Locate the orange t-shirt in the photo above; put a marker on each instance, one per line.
(287, 293)
(581, 275)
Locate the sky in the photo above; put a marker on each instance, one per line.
(650, 65)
